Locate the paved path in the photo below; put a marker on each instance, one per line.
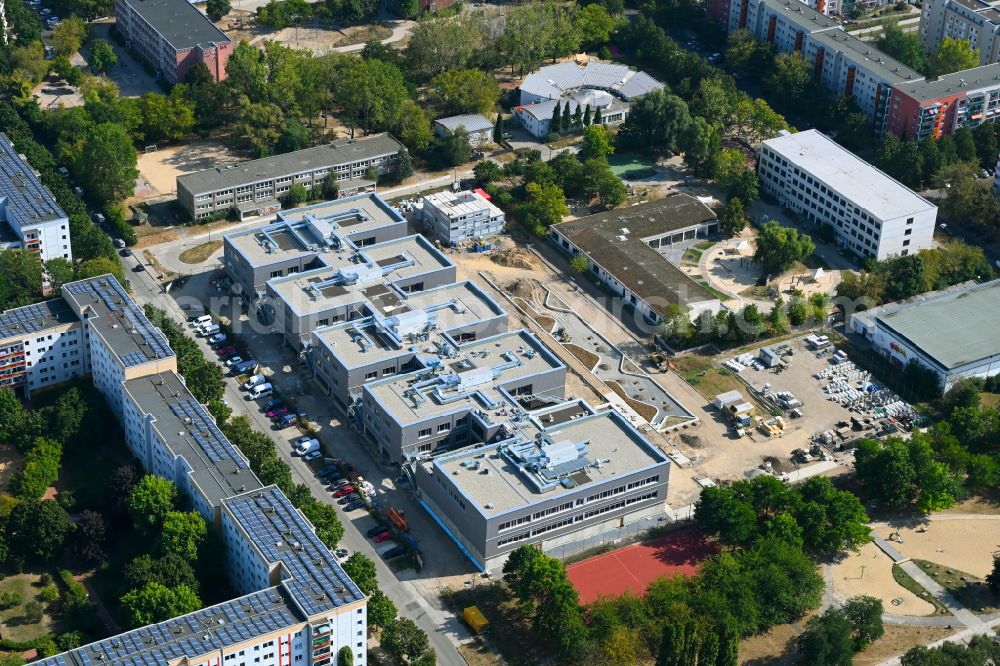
(400, 30)
(896, 556)
(963, 614)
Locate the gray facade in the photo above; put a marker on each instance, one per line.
(490, 501)
(461, 217)
(256, 187)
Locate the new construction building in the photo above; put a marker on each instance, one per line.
(461, 217)
(606, 87)
(256, 187)
(297, 604)
(171, 36)
(30, 218)
(873, 214)
(949, 332)
(623, 250)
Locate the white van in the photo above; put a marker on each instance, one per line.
(203, 320)
(256, 380)
(308, 446)
(211, 329)
(260, 391)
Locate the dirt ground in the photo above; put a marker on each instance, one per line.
(160, 169)
(869, 571)
(967, 544)
(897, 640)
(11, 461)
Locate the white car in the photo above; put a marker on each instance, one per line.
(230, 362)
(311, 456)
(217, 339)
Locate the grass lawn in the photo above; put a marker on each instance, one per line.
(13, 623)
(990, 400)
(970, 591)
(643, 409)
(625, 164)
(199, 253)
(905, 580)
(710, 381)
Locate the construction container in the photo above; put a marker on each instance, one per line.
(475, 619)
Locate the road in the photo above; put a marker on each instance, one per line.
(442, 628)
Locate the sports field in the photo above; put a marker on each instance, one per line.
(634, 567)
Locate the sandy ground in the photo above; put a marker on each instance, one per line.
(11, 461)
(967, 544)
(161, 168)
(869, 571)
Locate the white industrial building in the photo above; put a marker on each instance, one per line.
(952, 332)
(456, 217)
(33, 221)
(873, 214)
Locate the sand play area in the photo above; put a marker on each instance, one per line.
(959, 542)
(161, 168)
(869, 571)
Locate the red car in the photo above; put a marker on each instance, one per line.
(384, 536)
(222, 351)
(343, 490)
(277, 411)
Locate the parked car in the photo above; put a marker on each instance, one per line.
(254, 381)
(327, 471)
(384, 536)
(209, 331)
(347, 499)
(393, 553)
(272, 403)
(312, 455)
(227, 354)
(343, 490)
(231, 360)
(286, 421)
(226, 349)
(375, 531)
(201, 320)
(276, 411)
(341, 553)
(245, 367)
(218, 339)
(120, 244)
(356, 504)
(260, 391)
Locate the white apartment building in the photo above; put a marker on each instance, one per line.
(33, 221)
(873, 214)
(41, 345)
(974, 21)
(456, 217)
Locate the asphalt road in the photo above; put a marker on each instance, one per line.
(441, 627)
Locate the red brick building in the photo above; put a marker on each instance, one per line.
(934, 108)
(172, 36)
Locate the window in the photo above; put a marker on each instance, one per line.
(426, 432)
(371, 375)
(444, 427)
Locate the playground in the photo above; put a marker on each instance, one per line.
(634, 567)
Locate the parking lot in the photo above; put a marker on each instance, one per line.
(805, 376)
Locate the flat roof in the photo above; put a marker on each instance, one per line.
(455, 204)
(802, 14)
(24, 201)
(189, 431)
(471, 305)
(561, 79)
(391, 261)
(965, 82)
(954, 328)
(850, 176)
(519, 352)
(315, 580)
(472, 122)
(343, 151)
(609, 438)
(17, 322)
(864, 53)
(180, 22)
(632, 261)
(121, 323)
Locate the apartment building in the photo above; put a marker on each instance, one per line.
(567, 473)
(924, 109)
(297, 603)
(624, 250)
(256, 187)
(353, 278)
(31, 218)
(41, 345)
(461, 217)
(974, 21)
(306, 238)
(172, 36)
(398, 333)
(872, 214)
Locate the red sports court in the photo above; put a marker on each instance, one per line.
(634, 567)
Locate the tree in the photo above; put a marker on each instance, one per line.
(454, 148)
(903, 46)
(331, 186)
(952, 55)
(182, 533)
(58, 271)
(827, 641)
(170, 571)
(498, 130)
(167, 118)
(790, 78)
(29, 62)
(258, 127)
(362, 571)
(150, 502)
(734, 174)
(600, 181)
(68, 36)
(36, 530)
(458, 91)
(596, 141)
(40, 470)
(595, 25)
(733, 219)
(555, 124)
(294, 137)
(297, 195)
(89, 537)
(120, 484)
(156, 603)
(901, 473)
(979, 650)
(371, 93)
(107, 163)
(404, 164)
(100, 266)
(404, 639)
(487, 171)
(415, 126)
(20, 278)
(381, 611)
(345, 656)
(440, 45)
(993, 577)
(216, 9)
(544, 206)
(655, 123)
(579, 263)
(865, 615)
(779, 247)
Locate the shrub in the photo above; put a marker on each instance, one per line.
(33, 612)
(49, 593)
(9, 600)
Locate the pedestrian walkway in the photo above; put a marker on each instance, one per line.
(896, 556)
(964, 615)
